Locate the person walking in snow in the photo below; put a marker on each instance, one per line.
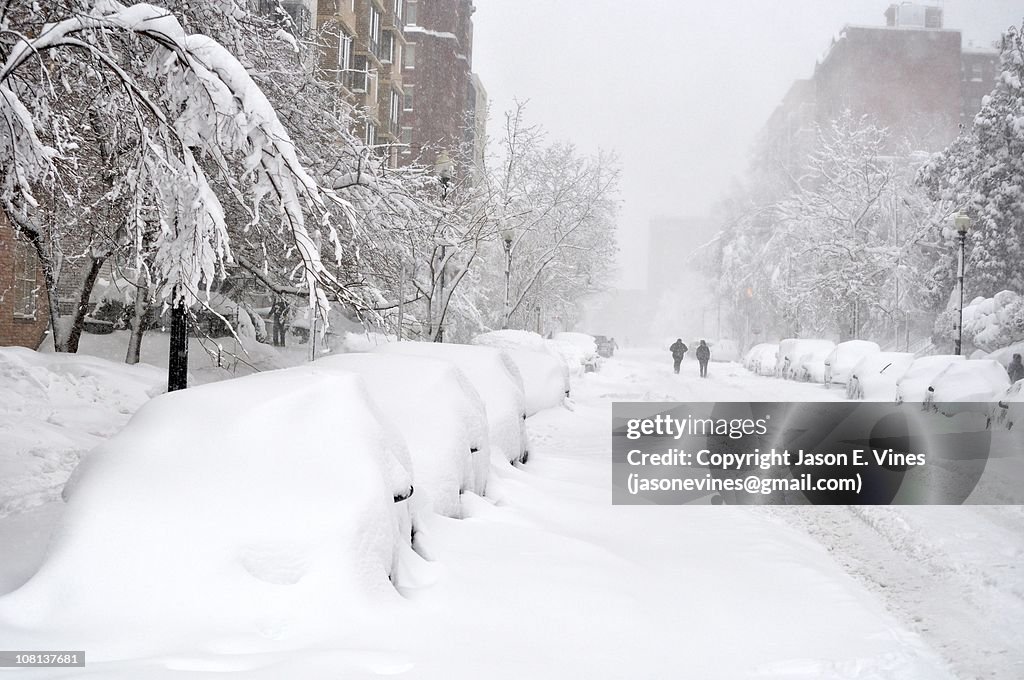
(678, 350)
(279, 314)
(1016, 369)
(703, 357)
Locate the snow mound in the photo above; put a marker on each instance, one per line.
(724, 350)
(513, 339)
(1005, 354)
(495, 378)
(53, 409)
(913, 386)
(441, 416)
(251, 514)
(875, 376)
(840, 361)
(968, 381)
(762, 359)
(991, 323)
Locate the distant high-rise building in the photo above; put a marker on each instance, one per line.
(912, 76)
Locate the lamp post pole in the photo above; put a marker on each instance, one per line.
(444, 168)
(507, 237)
(963, 223)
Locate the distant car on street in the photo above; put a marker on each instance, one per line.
(605, 345)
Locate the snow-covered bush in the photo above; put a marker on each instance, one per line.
(912, 387)
(247, 513)
(844, 357)
(966, 382)
(875, 376)
(441, 416)
(762, 359)
(495, 378)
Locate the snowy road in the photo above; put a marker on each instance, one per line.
(545, 578)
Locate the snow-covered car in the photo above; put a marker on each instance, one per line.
(840, 362)
(531, 342)
(810, 367)
(579, 351)
(1008, 408)
(874, 377)
(496, 379)
(912, 387)
(605, 346)
(962, 384)
(762, 359)
(545, 383)
(212, 501)
(440, 415)
(803, 358)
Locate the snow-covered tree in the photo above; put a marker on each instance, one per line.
(982, 173)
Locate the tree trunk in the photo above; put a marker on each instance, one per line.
(74, 333)
(140, 316)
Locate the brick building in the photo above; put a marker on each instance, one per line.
(912, 76)
(445, 103)
(23, 303)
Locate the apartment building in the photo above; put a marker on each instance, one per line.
(912, 76)
(445, 105)
(364, 45)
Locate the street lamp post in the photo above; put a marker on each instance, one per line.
(508, 238)
(444, 168)
(177, 364)
(963, 224)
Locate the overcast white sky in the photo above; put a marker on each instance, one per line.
(678, 88)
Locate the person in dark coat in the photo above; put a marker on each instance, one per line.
(1016, 369)
(678, 350)
(279, 314)
(703, 357)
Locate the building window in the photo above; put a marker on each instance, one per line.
(398, 12)
(359, 75)
(344, 53)
(411, 10)
(374, 33)
(387, 48)
(977, 71)
(410, 56)
(371, 134)
(406, 136)
(409, 89)
(396, 108)
(25, 286)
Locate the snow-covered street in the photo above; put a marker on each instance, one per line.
(544, 566)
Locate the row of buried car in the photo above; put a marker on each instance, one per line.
(870, 374)
(351, 452)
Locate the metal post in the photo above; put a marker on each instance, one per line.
(177, 361)
(960, 285)
(401, 302)
(439, 336)
(508, 282)
(312, 332)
